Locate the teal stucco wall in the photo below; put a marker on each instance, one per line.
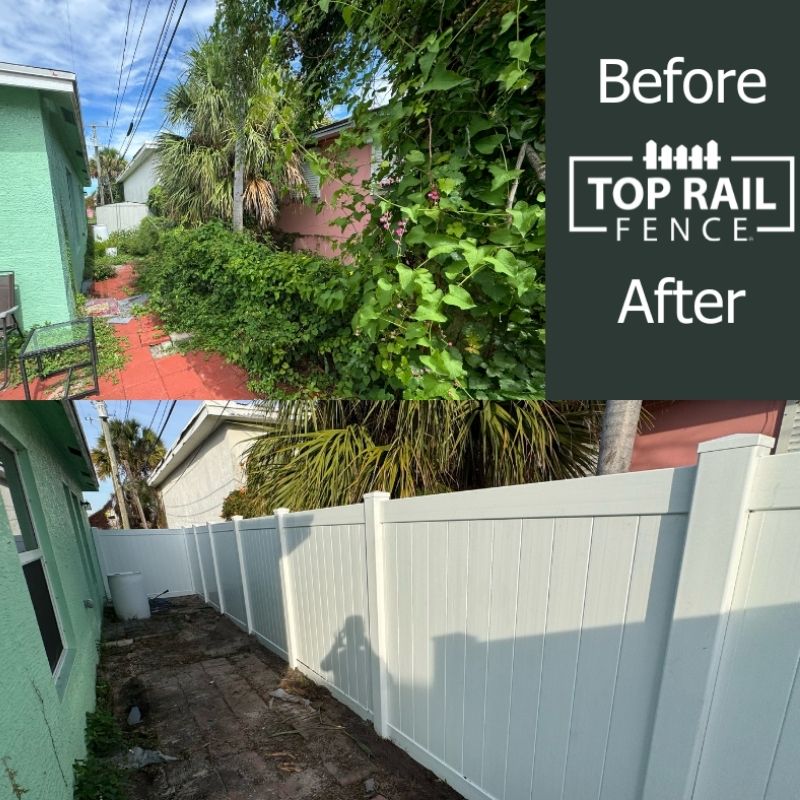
(73, 229)
(43, 228)
(43, 720)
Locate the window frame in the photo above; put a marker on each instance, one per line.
(36, 554)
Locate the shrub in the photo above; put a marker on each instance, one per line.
(285, 317)
(155, 200)
(236, 503)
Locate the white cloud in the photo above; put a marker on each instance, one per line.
(87, 38)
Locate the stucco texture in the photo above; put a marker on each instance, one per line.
(677, 427)
(195, 491)
(314, 228)
(42, 221)
(43, 721)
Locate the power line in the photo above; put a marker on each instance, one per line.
(130, 68)
(151, 66)
(121, 67)
(166, 421)
(158, 74)
(153, 418)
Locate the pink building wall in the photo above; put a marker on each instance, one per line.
(679, 426)
(315, 231)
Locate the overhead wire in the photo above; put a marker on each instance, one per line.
(130, 69)
(158, 74)
(149, 85)
(119, 77)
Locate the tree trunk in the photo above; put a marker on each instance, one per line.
(620, 423)
(238, 183)
(137, 501)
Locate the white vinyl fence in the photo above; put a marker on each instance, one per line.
(121, 216)
(623, 637)
(160, 555)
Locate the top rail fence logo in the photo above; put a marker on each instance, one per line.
(681, 193)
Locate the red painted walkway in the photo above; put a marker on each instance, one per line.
(182, 376)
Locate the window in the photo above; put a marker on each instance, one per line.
(77, 518)
(34, 568)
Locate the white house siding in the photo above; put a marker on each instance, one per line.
(196, 489)
(138, 185)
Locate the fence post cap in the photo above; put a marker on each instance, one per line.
(736, 441)
(281, 511)
(378, 495)
(237, 517)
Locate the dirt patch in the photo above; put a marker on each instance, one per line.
(208, 696)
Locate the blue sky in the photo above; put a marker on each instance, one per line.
(88, 38)
(141, 410)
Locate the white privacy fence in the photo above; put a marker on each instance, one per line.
(160, 555)
(624, 637)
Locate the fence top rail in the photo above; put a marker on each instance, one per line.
(136, 531)
(221, 527)
(336, 515)
(662, 491)
(259, 524)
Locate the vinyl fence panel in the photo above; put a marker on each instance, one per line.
(262, 554)
(327, 562)
(121, 216)
(228, 570)
(160, 555)
(528, 651)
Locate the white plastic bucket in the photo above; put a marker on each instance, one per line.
(128, 595)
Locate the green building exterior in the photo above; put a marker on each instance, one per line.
(51, 599)
(43, 168)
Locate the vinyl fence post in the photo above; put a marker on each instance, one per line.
(374, 503)
(220, 593)
(712, 551)
(287, 586)
(200, 564)
(243, 572)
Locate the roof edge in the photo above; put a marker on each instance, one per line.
(136, 161)
(205, 421)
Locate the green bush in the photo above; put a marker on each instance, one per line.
(145, 238)
(284, 317)
(155, 200)
(130, 244)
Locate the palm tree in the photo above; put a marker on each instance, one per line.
(112, 165)
(196, 170)
(139, 451)
(331, 453)
(620, 425)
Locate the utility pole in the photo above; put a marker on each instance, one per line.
(100, 193)
(112, 458)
